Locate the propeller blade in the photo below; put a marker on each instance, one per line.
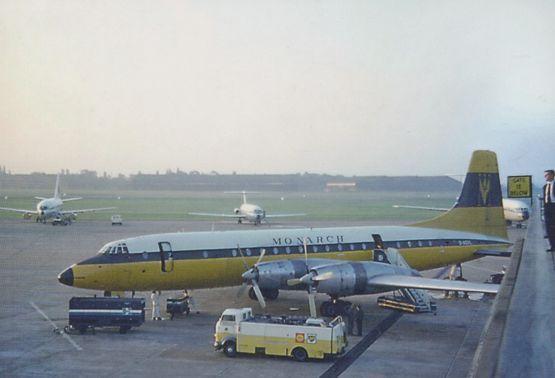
(294, 282)
(262, 253)
(243, 258)
(312, 304)
(258, 293)
(242, 289)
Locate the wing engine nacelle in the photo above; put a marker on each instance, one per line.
(236, 211)
(344, 279)
(274, 274)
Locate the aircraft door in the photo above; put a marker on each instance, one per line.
(166, 257)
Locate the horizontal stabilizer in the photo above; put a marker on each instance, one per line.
(492, 252)
(400, 281)
(421, 208)
(41, 198)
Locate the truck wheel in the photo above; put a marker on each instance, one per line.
(230, 349)
(299, 354)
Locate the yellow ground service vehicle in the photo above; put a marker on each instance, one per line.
(238, 330)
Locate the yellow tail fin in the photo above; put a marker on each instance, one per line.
(479, 208)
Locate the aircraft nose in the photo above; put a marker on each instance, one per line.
(66, 277)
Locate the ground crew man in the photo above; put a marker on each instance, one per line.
(350, 314)
(359, 316)
(155, 297)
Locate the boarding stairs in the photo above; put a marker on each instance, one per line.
(408, 300)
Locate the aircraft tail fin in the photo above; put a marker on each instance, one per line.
(479, 208)
(57, 188)
(244, 197)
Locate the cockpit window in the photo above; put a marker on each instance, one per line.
(124, 246)
(119, 250)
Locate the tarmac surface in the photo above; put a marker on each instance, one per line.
(34, 305)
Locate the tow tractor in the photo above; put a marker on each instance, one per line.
(239, 331)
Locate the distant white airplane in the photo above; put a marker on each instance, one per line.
(249, 212)
(513, 210)
(51, 208)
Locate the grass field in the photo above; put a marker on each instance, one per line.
(161, 205)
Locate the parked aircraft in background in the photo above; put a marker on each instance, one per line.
(336, 261)
(249, 212)
(513, 210)
(51, 208)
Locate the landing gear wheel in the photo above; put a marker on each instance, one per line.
(230, 349)
(299, 354)
(270, 294)
(252, 294)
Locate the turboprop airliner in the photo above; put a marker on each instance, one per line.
(249, 212)
(337, 258)
(51, 208)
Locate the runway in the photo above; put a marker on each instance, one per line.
(34, 304)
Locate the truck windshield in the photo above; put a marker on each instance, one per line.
(228, 318)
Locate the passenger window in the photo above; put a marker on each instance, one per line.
(287, 250)
(363, 245)
(327, 248)
(275, 250)
(233, 252)
(314, 248)
(301, 249)
(248, 251)
(352, 247)
(339, 247)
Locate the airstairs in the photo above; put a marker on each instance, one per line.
(408, 300)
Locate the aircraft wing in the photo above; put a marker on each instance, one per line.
(71, 199)
(421, 208)
(284, 215)
(86, 210)
(19, 210)
(218, 215)
(400, 281)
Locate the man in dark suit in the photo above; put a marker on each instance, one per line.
(549, 207)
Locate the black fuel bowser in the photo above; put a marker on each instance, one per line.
(91, 312)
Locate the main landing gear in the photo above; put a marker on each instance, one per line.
(269, 294)
(334, 307)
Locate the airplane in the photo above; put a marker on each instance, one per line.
(249, 212)
(339, 261)
(513, 210)
(51, 208)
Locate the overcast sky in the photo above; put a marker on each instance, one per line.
(348, 87)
